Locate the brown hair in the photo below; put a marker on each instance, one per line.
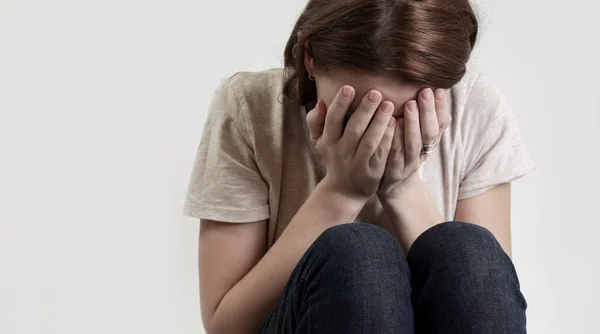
(424, 42)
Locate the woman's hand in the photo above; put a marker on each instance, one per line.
(424, 122)
(355, 156)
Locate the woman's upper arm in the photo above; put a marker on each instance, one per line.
(494, 155)
(227, 252)
(491, 210)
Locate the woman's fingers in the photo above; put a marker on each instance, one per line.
(443, 111)
(336, 112)
(412, 134)
(360, 119)
(428, 116)
(315, 119)
(398, 141)
(396, 154)
(373, 135)
(379, 159)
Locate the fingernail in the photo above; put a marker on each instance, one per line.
(412, 106)
(374, 96)
(386, 107)
(439, 94)
(427, 94)
(347, 91)
(392, 122)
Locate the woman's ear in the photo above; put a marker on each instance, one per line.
(308, 60)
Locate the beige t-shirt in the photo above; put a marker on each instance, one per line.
(255, 160)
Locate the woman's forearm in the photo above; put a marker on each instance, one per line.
(249, 302)
(410, 211)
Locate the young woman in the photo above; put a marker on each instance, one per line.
(365, 187)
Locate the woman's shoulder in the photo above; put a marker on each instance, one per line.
(477, 101)
(488, 135)
(475, 88)
(255, 97)
(254, 101)
(252, 87)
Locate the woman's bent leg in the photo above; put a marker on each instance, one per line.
(353, 279)
(463, 282)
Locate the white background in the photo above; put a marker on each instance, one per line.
(102, 105)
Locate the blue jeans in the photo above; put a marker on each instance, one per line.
(355, 279)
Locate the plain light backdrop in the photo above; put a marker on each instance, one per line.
(102, 105)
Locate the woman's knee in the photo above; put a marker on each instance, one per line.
(361, 247)
(468, 239)
(359, 271)
(467, 263)
(462, 244)
(358, 240)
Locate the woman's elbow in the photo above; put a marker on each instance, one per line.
(215, 325)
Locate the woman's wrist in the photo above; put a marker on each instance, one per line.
(399, 192)
(411, 209)
(337, 208)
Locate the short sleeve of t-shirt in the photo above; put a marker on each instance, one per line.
(495, 151)
(225, 184)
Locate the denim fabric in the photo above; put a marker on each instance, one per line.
(355, 279)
